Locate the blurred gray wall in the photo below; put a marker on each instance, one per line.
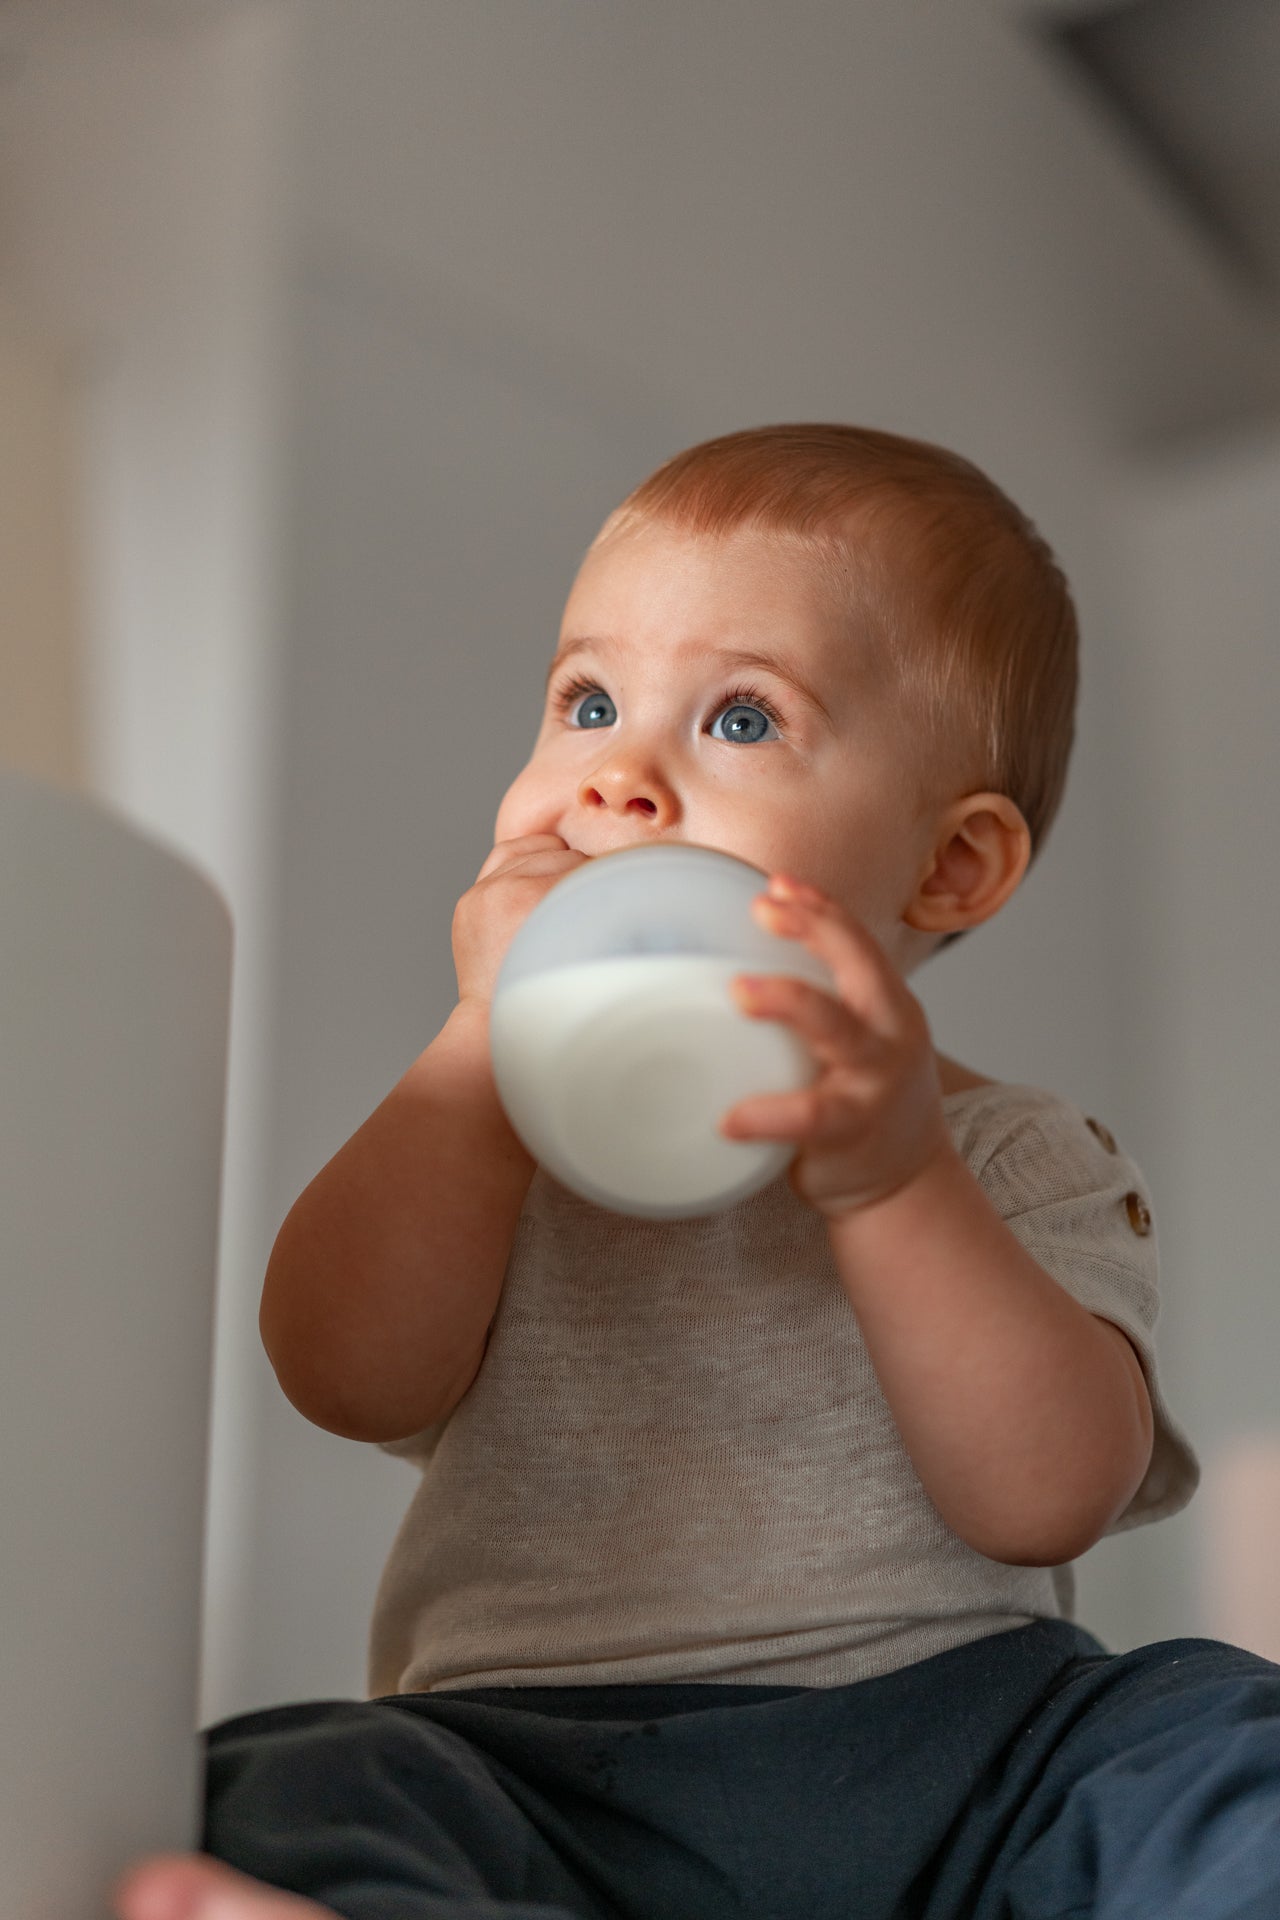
(1200, 666)
(486, 267)
(145, 243)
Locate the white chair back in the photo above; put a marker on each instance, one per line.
(115, 964)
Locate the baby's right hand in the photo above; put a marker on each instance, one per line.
(508, 887)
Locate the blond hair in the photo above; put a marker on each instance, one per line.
(975, 614)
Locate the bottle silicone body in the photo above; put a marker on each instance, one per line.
(617, 1045)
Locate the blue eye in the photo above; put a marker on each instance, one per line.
(564, 697)
(596, 712)
(747, 713)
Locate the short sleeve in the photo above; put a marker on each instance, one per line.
(416, 1448)
(1080, 1206)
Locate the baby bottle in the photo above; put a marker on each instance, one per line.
(617, 1045)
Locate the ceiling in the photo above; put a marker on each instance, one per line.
(1193, 84)
(1196, 86)
(1187, 90)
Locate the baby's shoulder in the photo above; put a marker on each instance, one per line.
(1003, 1119)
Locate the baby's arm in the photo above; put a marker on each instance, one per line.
(385, 1277)
(1026, 1416)
(386, 1273)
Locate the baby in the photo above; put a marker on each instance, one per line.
(738, 1578)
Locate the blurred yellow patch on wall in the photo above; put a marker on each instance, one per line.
(1241, 1493)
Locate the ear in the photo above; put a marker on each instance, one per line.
(982, 850)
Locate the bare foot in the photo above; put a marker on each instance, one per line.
(192, 1886)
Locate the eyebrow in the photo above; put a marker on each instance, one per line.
(724, 656)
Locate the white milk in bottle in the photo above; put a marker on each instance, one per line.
(616, 1069)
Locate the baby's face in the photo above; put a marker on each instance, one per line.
(652, 731)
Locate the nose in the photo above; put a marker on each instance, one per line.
(631, 785)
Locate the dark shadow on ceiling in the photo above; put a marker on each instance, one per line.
(1195, 86)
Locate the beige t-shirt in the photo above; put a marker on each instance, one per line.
(676, 1462)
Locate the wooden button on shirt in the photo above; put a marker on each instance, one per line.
(1139, 1213)
(1135, 1206)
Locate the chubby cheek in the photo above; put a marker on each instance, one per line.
(850, 871)
(508, 825)
(527, 806)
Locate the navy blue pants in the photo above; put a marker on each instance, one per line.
(1028, 1776)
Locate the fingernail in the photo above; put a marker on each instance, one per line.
(782, 911)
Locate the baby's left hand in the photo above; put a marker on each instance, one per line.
(872, 1120)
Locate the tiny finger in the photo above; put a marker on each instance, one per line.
(784, 886)
(749, 987)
